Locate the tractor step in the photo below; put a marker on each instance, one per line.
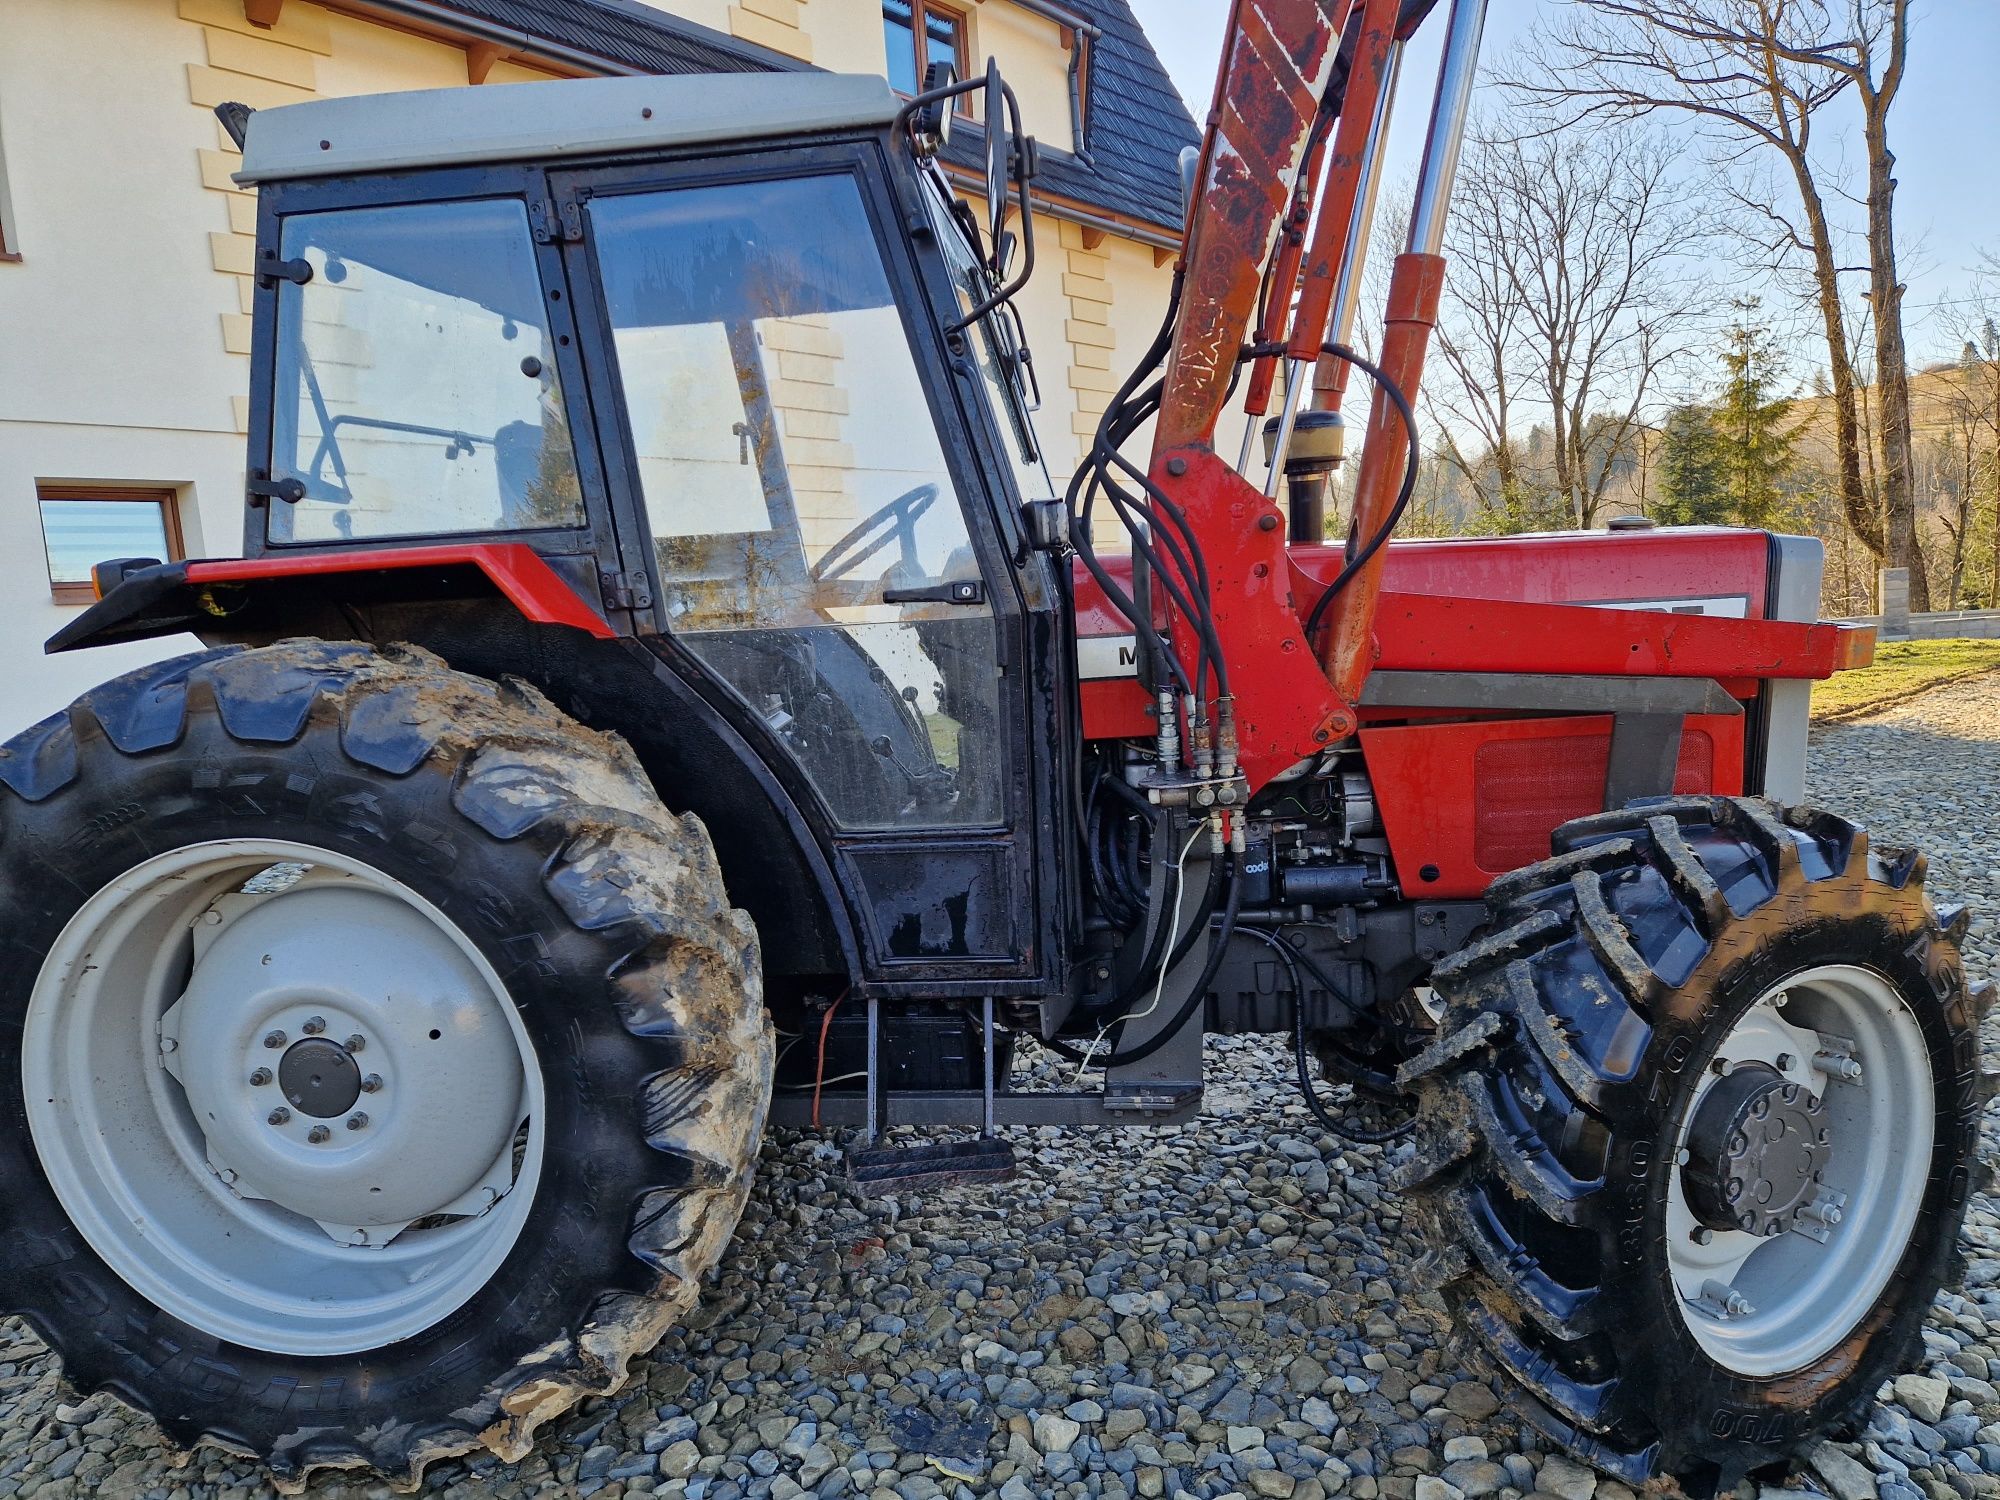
(879, 1171)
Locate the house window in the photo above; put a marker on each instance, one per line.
(84, 527)
(919, 33)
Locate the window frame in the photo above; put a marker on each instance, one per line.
(961, 24)
(10, 243)
(596, 537)
(165, 496)
(289, 313)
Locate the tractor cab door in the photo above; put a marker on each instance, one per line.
(778, 420)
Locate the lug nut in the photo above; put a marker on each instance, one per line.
(314, 1025)
(278, 1116)
(274, 1039)
(1786, 1062)
(1701, 1234)
(356, 1042)
(260, 1078)
(1720, 1067)
(371, 1083)
(357, 1121)
(319, 1135)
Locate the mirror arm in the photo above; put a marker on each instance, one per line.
(1022, 172)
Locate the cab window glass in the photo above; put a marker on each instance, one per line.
(416, 386)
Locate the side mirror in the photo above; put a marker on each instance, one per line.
(1011, 162)
(997, 179)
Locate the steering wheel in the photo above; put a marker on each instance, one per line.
(896, 521)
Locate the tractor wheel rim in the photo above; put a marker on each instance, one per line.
(1836, 1048)
(283, 1096)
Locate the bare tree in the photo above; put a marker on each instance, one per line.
(1480, 338)
(1758, 72)
(1978, 401)
(1575, 289)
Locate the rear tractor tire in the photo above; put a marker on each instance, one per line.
(381, 1065)
(1698, 1133)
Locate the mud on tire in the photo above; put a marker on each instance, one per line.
(603, 916)
(1573, 1042)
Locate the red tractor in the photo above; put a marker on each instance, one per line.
(655, 629)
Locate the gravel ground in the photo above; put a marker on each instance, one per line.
(1213, 1311)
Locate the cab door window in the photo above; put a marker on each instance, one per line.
(812, 548)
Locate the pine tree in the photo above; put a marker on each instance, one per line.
(1756, 448)
(1692, 489)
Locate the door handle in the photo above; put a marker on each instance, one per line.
(957, 591)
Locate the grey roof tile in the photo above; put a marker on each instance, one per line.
(1136, 125)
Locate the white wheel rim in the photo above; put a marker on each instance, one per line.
(149, 1030)
(1796, 1295)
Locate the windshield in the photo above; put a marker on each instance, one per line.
(416, 389)
(1001, 348)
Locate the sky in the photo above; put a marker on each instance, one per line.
(1944, 129)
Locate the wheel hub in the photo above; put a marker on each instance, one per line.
(1803, 1158)
(320, 1077)
(1757, 1152)
(256, 1043)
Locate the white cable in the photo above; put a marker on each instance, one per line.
(824, 1082)
(1166, 958)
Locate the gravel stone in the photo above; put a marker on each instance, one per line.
(1471, 1400)
(1845, 1478)
(1924, 1396)
(1565, 1478)
(1054, 1434)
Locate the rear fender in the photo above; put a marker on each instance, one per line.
(275, 595)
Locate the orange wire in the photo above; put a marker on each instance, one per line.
(819, 1072)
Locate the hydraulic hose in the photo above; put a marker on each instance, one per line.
(1225, 930)
(1288, 956)
(1356, 561)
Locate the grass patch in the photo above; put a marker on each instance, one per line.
(1902, 670)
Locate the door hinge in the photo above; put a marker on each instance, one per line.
(271, 270)
(553, 223)
(626, 590)
(261, 489)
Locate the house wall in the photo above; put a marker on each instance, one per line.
(124, 321)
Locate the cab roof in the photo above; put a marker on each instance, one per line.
(560, 118)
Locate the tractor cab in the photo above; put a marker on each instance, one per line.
(731, 361)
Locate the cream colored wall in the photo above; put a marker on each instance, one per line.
(124, 328)
(847, 35)
(1032, 59)
(112, 368)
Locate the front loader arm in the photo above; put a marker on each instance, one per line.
(1293, 74)
(1276, 67)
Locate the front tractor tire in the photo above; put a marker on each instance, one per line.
(381, 1065)
(1698, 1132)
